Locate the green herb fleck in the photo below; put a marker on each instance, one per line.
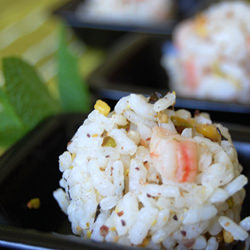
(108, 141)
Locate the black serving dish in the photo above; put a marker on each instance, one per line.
(134, 66)
(30, 169)
(105, 34)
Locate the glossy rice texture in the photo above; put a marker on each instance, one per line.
(148, 175)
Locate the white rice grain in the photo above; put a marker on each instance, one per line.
(141, 106)
(122, 105)
(164, 102)
(126, 213)
(108, 202)
(237, 231)
(220, 195)
(212, 244)
(163, 190)
(139, 230)
(118, 177)
(124, 144)
(62, 198)
(98, 224)
(236, 185)
(137, 175)
(200, 243)
(214, 227)
(194, 215)
(246, 223)
(65, 161)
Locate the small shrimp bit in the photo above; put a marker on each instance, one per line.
(174, 157)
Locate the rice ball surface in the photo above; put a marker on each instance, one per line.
(210, 59)
(148, 175)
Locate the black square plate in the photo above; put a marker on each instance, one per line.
(30, 169)
(104, 34)
(134, 65)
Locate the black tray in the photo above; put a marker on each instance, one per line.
(30, 169)
(100, 34)
(134, 65)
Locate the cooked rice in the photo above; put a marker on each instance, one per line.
(116, 187)
(146, 12)
(210, 54)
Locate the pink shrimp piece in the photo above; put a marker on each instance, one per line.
(190, 73)
(174, 157)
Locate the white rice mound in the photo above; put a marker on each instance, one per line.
(118, 193)
(144, 12)
(211, 56)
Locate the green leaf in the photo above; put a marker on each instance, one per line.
(74, 93)
(8, 116)
(11, 127)
(10, 136)
(26, 92)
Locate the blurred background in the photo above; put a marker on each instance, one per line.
(30, 31)
(59, 56)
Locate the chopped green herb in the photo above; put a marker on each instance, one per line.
(108, 141)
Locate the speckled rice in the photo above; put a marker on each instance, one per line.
(211, 54)
(111, 194)
(146, 12)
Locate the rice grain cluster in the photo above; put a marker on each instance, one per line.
(146, 12)
(211, 54)
(148, 175)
